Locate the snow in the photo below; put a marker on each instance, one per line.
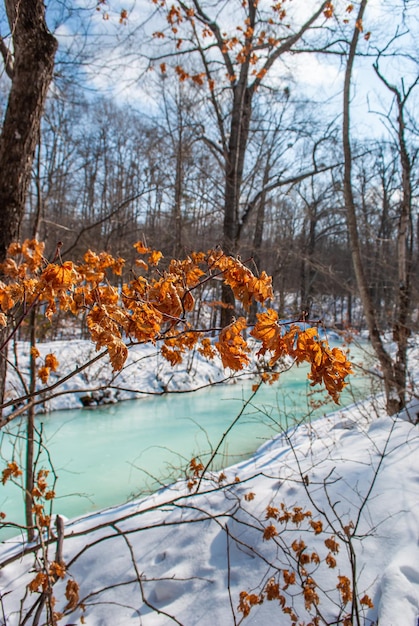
(145, 371)
(183, 557)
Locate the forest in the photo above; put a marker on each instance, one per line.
(292, 143)
(199, 175)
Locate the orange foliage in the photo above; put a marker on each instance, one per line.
(72, 595)
(51, 365)
(35, 354)
(310, 595)
(366, 601)
(332, 545)
(300, 580)
(328, 366)
(271, 512)
(331, 561)
(195, 469)
(232, 347)
(272, 590)
(289, 578)
(299, 515)
(153, 306)
(344, 586)
(316, 526)
(57, 570)
(12, 470)
(329, 10)
(205, 348)
(270, 532)
(39, 583)
(247, 600)
(298, 546)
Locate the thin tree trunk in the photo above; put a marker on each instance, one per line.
(391, 390)
(177, 207)
(30, 434)
(258, 234)
(401, 326)
(30, 420)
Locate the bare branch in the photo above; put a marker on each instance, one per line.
(7, 58)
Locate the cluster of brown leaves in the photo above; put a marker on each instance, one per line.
(43, 583)
(274, 590)
(43, 580)
(301, 579)
(195, 471)
(154, 306)
(12, 470)
(101, 7)
(328, 366)
(41, 494)
(51, 571)
(249, 42)
(247, 601)
(50, 364)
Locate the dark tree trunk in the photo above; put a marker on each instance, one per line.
(34, 52)
(258, 234)
(307, 273)
(31, 73)
(239, 133)
(177, 206)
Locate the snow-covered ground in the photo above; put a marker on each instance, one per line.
(184, 555)
(145, 371)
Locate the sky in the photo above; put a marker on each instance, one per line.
(111, 59)
(120, 53)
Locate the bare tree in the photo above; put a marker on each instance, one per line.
(393, 370)
(234, 67)
(405, 238)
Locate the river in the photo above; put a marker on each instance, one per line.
(108, 455)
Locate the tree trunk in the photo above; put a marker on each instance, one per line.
(258, 234)
(177, 206)
(30, 435)
(34, 52)
(31, 74)
(239, 133)
(390, 386)
(401, 326)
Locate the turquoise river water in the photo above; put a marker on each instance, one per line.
(108, 455)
